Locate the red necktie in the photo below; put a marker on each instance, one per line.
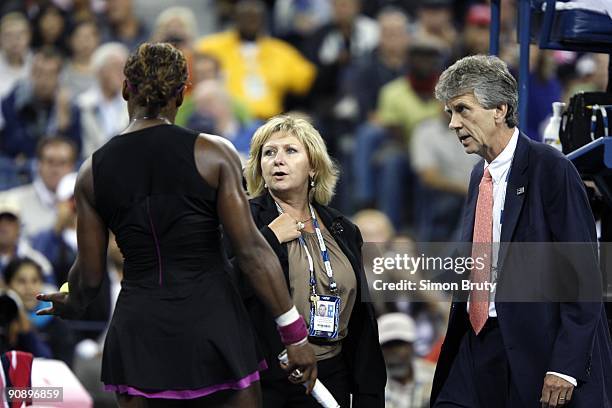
(481, 248)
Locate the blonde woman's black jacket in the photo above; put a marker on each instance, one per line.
(360, 348)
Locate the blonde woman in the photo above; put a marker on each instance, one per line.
(291, 179)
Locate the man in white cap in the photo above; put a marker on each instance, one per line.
(409, 378)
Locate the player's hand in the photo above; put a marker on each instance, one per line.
(302, 365)
(61, 305)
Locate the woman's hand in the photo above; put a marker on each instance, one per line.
(61, 305)
(285, 228)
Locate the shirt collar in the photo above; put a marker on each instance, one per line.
(501, 164)
(44, 194)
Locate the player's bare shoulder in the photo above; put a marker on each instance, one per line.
(84, 187)
(213, 154)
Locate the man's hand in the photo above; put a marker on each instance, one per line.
(303, 359)
(556, 391)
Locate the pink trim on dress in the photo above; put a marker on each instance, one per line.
(191, 394)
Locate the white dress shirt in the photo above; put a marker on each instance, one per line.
(499, 169)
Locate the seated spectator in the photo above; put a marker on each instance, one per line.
(378, 234)
(13, 246)
(295, 21)
(409, 378)
(84, 9)
(381, 148)
(260, 70)
(56, 157)
(15, 64)
(386, 63)
(205, 67)
(15, 55)
(59, 244)
(349, 35)
(177, 26)
(16, 330)
(333, 48)
(35, 108)
(375, 227)
(435, 18)
(444, 171)
(476, 30)
(122, 25)
(474, 39)
(25, 277)
(214, 114)
(50, 28)
(103, 111)
(78, 74)
(406, 101)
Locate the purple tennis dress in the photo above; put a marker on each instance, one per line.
(179, 329)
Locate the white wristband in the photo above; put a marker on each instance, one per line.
(288, 317)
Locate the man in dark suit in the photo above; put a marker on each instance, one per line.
(514, 353)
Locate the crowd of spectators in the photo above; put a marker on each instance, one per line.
(363, 71)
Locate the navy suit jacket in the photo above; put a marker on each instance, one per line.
(545, 202)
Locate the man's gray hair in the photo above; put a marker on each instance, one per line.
(487, 77)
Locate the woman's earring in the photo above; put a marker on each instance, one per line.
(312, 183)
(265, 185)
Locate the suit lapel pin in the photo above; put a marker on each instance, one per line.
(520, 190)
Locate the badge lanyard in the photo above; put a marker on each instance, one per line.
(324, 255)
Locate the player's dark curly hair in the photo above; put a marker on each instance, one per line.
(155, 73)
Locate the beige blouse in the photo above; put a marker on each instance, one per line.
(300, 286)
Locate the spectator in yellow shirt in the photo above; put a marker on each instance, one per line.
(260, 70)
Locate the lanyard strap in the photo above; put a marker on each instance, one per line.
(324, 254)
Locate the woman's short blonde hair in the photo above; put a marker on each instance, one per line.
(325, 171)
